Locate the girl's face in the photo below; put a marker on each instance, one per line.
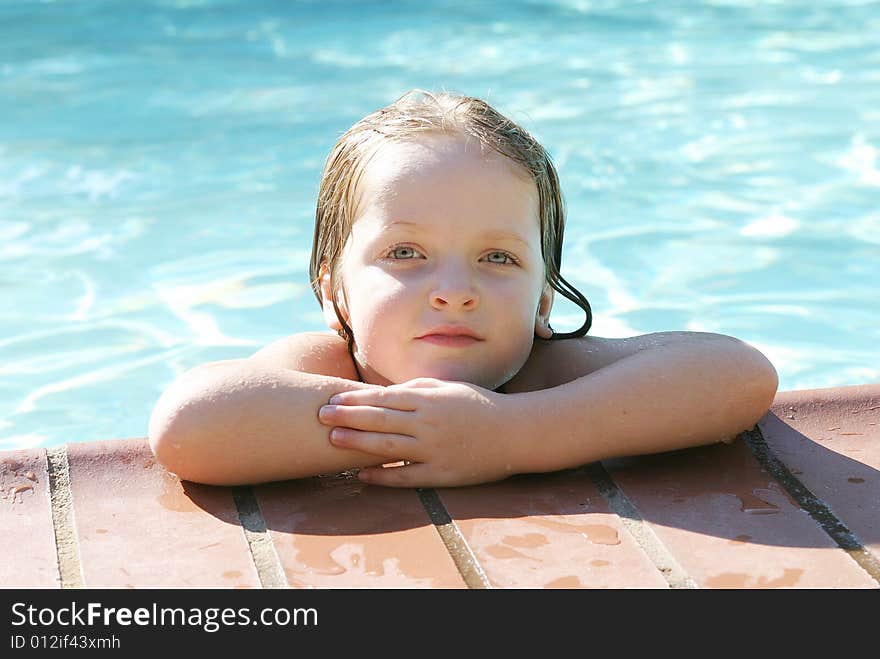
(444, 235)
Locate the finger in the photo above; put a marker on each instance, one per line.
(362, 417)
(416, 474)
(397, 399)
(422, 383)
(385, 445)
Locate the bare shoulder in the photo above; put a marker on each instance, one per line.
(561, 361)
(321, 353)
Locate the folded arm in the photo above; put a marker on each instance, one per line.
(684, 391)
(255, 420)
(647, 394)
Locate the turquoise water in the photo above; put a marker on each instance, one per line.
(159, 163)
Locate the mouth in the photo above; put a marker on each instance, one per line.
(450, 340)
(451, 336)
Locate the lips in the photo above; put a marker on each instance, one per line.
(459, 341)
(451, 336)
(452, 331)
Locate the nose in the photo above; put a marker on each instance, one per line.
(454, 291)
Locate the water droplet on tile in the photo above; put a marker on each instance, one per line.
(528, 540)
(11, 464)
(754, 505)
(503, 551)
(174, 498)
(727, 580)
(564, 582)
(598, 533)
(789, 578)
(315, 557)
(601, 534)
(19, 491)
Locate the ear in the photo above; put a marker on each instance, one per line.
(330, 316)
(542, 318)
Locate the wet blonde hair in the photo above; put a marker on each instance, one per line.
(415, 112)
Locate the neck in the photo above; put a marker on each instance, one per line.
(367, 374)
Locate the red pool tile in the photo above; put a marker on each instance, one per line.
(730, 524)
(336, 532)
(29, 559)
(549, 531)
(830, 440)
(138, 526)
(722, 516)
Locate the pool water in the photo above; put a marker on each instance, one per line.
(159, 163)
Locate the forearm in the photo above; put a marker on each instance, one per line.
(661, 399)
(237, 422)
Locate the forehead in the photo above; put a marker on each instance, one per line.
(450, 167)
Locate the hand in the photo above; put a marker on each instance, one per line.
(448, 433)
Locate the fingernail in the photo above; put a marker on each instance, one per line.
(325, 411)
(335, 400)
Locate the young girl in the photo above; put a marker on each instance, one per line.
(437, 254)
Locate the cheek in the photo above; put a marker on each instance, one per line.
(517, 301)
(375, 298)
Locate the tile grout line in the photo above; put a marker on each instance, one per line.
(459, 550)
(657, 552)
(813, 505)
(61, 500)
(262, 549)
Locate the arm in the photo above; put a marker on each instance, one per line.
(683, 390)
(647, 394)
(250, 421)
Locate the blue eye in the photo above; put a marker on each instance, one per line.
(505, 258)
(408, 253)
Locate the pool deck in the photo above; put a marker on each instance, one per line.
(794, 503)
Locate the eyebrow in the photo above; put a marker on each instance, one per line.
(487, 234)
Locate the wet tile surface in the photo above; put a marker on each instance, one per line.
(831, 443)
(337, 532)
(730, 524)
(26, 521)
(719, 516)
(138, 526)
(549, 531)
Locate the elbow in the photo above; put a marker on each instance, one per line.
(182, 446)
(195, 427)
(179, 429)
(766, 378)
(168, 437)
(759, 386)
